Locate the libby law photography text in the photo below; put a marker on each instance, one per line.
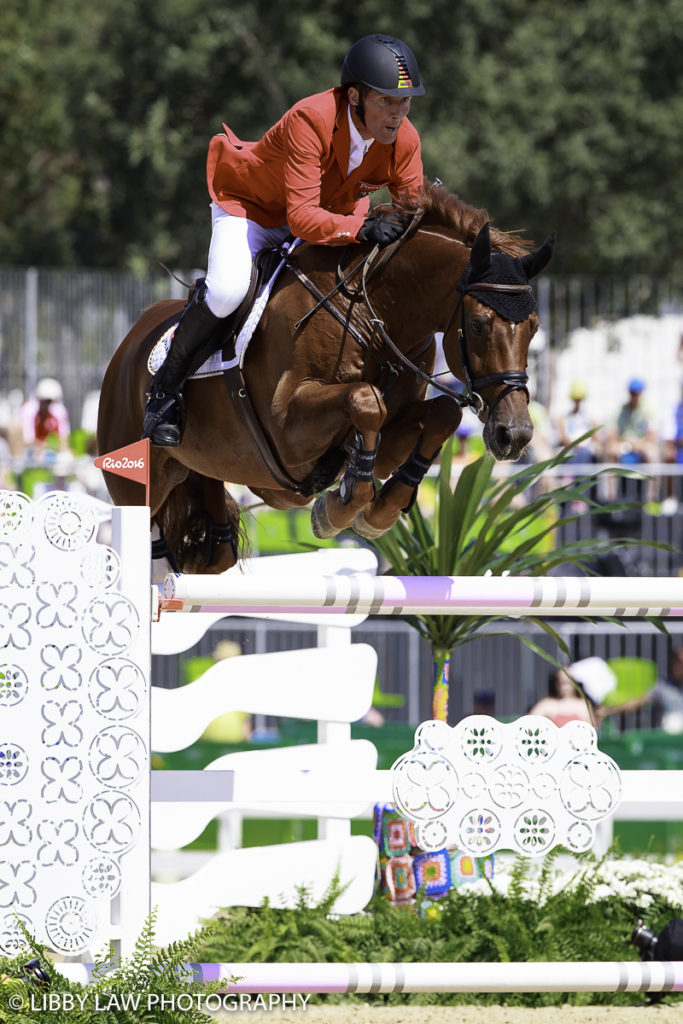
(136, 1001)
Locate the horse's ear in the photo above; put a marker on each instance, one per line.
(534, 262)
(480, 256)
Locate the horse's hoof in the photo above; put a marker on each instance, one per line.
(362, 527)
(322, 528)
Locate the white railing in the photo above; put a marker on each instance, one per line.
(331, 685)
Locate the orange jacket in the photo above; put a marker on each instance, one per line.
(296, 174)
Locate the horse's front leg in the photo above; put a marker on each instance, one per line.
(320, 413)
(411, 443)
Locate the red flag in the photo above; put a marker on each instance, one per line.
(131, 462)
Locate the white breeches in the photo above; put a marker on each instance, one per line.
(234, 243)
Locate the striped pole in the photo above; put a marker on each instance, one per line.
(628, 976)
(428, 595)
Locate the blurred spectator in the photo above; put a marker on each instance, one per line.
(44, 415)
(631, 438)
(10, 421)
(667, 696)
(672, 451)
(91, 404)
(672, 433)
(575, 423)
(484, 703)
(468, 435)
(540, 447)
(576, 693)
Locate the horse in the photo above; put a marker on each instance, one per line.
(334, 382)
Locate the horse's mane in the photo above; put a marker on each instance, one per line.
(444, 209)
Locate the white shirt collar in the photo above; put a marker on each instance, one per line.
(359, 146)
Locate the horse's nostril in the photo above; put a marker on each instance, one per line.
(503, 439)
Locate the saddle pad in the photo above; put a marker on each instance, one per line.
(215, 364)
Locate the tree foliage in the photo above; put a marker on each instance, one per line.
(549, 116)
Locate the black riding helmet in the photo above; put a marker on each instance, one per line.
(385, 64)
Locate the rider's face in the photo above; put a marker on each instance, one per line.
(383, 115)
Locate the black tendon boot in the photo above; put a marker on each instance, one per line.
(190, 347)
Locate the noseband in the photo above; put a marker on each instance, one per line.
(512, 380)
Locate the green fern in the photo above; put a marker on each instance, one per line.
(111, 996)
(530, 922)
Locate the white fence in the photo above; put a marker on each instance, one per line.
(331, 685)
(74, 798)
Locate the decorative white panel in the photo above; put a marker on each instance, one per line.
(74, 724)
(526, 786)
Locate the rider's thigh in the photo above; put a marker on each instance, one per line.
(229, 269)
(234, 243)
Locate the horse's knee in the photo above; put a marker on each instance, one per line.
(365, 407)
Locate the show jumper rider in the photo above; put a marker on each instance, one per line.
(311, 176)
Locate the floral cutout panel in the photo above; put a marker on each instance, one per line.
(524, 786)
(74, 725)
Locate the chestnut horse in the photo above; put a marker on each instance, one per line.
(337, 374)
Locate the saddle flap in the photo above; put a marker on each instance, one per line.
(263, 267)
(220, 348)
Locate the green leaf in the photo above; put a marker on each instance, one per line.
(488, 525)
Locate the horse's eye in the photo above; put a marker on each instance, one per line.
(478, 325)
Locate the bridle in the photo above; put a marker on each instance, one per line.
(512, 380)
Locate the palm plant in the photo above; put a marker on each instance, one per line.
(487, 526)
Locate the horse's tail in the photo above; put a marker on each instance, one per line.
(190, 531)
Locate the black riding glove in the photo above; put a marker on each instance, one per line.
(379, 230)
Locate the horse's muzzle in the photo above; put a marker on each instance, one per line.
(506, 439)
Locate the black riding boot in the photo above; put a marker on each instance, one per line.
(165, 413)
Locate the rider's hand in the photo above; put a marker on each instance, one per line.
(380, 230)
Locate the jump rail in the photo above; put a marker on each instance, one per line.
(406, 595)
(588, 976)
(646, 795)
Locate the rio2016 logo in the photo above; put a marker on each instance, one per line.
(122, 463)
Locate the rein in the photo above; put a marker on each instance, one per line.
(370, 265)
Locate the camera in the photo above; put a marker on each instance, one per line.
(36, 973)
(668, 945)
(645, 940)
